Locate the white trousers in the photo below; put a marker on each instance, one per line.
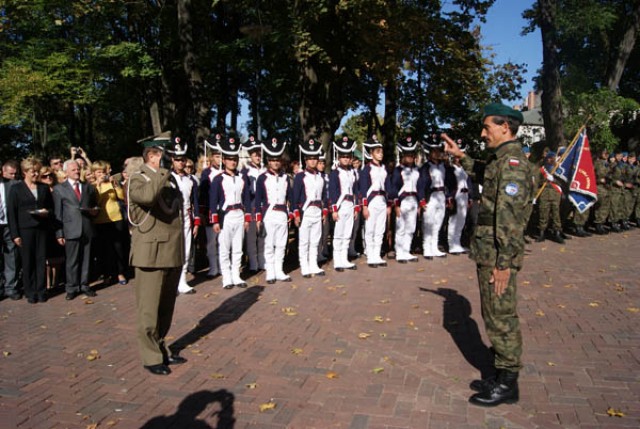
(457, 221)
(212, 251)
(431, 223)
(230, 240)
(275, 243)
(406, 227)
(309, 235)
(374, 229)
(342, 235)
(182, 284)
(255, 247)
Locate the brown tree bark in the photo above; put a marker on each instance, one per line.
(624, 49)
(550, 79)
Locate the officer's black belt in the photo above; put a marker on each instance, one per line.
(280, 207)
(315, 203)
(464, 191)
(438, 189)
(348, 197)
(376, 193)
(408, 194)
(234, 207)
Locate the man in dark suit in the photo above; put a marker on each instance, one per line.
(75, 204)
(8, 250)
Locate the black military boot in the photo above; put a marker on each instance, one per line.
(615, 227)
(503, 391)
(540, 237)
(600, 229)
(556, 237)
(624, 226)
(580, 232)
(481, 385)
(586, 231)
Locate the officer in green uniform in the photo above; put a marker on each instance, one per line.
(629, 189)
(497, 246)
(549, 202)
(157, 253)
(602, 208)
(616, 176)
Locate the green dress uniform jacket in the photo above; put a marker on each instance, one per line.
(157, 253)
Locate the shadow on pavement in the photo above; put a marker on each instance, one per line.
(229, 311)
(457, 320)
(186, 417)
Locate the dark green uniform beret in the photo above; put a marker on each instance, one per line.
(497, 109)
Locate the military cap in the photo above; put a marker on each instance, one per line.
(432, 142)
(160, 141)
(357, 154)
(344, 146)
(251, 144)
(624, 153)
(273, 148)
(632, 154)
(407, 145)
(229, 147)
(369, 145)
(498, 109)
(525, 149)
(176, 148)
(213, 142)
(311, 147)
(550, 154)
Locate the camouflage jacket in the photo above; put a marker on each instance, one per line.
(601, 169)
(616, 174)
(508, 190)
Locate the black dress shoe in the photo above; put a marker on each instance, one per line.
(43, 298)
(175, 360)
(227, 287)
(339, 270)
(373, 265)
(241, 285)
(429, 258)
(159, 369)
(33, 300)
(89, 292)
(320, 274)
(352, 268)
(271, 281)
(306, 276)
(15, 297)
(71, 296)
(402, 261)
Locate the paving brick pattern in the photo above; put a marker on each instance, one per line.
(376, 348)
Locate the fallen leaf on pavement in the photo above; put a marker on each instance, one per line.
(290, 311)
(6, 354)
(363, 335)
(377, 370)
(296, 351)
(267, 406)
(378, 319)
(633, 309)
(217, 376)
(251, 385)
(594, 304)
(540, 313)
(614, 413)
(331, 375)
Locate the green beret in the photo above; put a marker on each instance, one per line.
(498, 109)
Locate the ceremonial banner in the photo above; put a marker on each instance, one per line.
(577, 170)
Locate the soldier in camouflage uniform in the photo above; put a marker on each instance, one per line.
(635, 180)
(616, 177)
(497, 246)
(602, 207)
(549, 202)
(629, 190)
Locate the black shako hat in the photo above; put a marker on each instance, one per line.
(273, 148)
(344, 146)
(229, 147)
(407, 145)
(311, 147)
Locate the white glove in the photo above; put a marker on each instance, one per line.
(550, 177)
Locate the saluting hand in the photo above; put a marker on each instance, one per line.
(451, 146)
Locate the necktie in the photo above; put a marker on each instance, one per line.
(76, 189)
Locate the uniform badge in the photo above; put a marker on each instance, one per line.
(511, 189)
(274, 142)
(514, 162)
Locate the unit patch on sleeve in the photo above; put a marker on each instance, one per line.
(511, 189)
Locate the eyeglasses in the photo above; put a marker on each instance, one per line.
(45, 176)
(179, 159)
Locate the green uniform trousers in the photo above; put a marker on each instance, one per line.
(616, 197)
(156, 291)
(500, 315)
(549, 210)
(602, 207)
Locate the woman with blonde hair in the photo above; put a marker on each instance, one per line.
(110, 226)
(54, 252)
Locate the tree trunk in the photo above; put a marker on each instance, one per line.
(624, 49)
(390, 115)
(551, 91)
(194, 77)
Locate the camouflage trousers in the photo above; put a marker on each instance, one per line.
(500, 315)
(629, 200)
(579, 219)
(602, 207)
(616, 213)
(635, 213)
(549, 210)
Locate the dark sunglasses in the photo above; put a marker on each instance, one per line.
(46, 175)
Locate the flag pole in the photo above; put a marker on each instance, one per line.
(562, 158)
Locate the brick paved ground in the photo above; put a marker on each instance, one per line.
(297, 345)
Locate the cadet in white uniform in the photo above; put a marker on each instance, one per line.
(273, 194)
(227, 201)
(404, 184)
(342, 191)
(253, 239)
(432, 190)
(309, 208)
(458, 219)
(373, 196)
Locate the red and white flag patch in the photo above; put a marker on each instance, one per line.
(514, 162)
